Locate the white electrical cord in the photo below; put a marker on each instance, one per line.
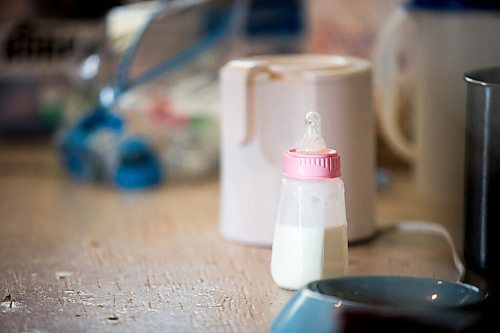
(434, 228)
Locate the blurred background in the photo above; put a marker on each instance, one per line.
(57, 58)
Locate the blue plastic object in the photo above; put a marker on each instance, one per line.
(134, 161)
(76, 154)
(98, 146)
(137, 165)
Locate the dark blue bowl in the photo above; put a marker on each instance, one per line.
(334, 304)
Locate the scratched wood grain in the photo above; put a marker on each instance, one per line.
(80, 257)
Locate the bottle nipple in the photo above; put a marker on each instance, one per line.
(312, 142)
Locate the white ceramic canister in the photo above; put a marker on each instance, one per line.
(263, 100)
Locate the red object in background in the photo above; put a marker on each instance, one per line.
(162, 112)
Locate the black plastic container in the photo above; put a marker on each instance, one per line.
(482, 179)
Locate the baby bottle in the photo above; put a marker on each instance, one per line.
(310, 237)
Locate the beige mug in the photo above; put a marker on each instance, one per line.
(447, 44)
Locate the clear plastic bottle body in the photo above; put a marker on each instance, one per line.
(310, 238)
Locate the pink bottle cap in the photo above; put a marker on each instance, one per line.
(312, 166)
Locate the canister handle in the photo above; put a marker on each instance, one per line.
(237, 91)
(386, 87)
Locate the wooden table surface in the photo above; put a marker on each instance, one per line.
(84, 257)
